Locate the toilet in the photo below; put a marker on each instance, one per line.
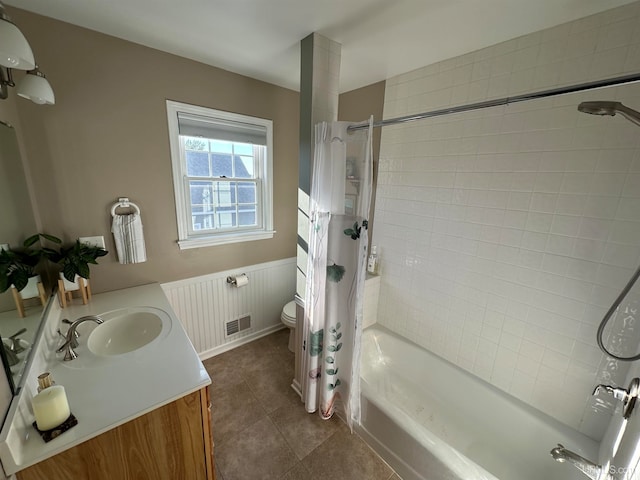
(288, 317)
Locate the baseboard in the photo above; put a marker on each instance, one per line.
(295, 385)
(241, 341)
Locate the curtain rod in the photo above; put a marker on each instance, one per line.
(609, 82)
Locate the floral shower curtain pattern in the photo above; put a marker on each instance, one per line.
(339, 207)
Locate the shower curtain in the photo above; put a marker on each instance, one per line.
(339, 207)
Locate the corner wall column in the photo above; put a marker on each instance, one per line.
(319, 91)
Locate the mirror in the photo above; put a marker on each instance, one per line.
(18, 222)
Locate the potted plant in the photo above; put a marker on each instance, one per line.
(18, 266)
(75, 261)
(18, 270)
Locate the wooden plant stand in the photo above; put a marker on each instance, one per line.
(67, 295)
(19, 301)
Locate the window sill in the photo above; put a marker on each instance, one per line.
(222, 239)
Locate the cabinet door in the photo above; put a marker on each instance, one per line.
(208, 432)
(168, 443)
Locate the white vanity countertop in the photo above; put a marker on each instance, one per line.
(106, 394)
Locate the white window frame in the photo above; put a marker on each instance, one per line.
(186, 237)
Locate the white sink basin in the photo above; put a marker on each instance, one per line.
(127, 330)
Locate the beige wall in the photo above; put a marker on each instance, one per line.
(107, 137)
(17, 221)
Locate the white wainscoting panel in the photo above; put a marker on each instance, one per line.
(205, 303)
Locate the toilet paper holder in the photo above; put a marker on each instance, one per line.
(233, 280)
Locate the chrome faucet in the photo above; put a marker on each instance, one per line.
(15, 346)
(12, 357)
(70, 339)
(12, 350)
(590, 469)
(627, 396)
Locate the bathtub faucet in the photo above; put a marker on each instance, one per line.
(627, 396)
(590, 469)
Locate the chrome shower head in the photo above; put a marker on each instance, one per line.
(599, 108)
(610, 108)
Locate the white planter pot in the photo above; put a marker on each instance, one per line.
(72, 286)
(31, 290)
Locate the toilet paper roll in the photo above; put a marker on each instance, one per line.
(241, 280)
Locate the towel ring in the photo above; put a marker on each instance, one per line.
(124, 203)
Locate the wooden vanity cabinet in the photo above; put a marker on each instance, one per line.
(173, 442)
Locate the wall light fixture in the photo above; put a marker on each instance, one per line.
(16, 54)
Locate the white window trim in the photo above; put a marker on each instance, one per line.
(185, 240)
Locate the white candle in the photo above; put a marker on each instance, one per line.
(50, 407)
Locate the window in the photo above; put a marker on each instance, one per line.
(222, 175)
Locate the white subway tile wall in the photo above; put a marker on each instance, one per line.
(370, 304)
(506, 233)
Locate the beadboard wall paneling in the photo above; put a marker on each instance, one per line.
(205, 303)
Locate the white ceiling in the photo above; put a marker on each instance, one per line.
(260, 38)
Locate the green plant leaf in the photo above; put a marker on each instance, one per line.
(31, 240)
(315, 343)
(51, 254)
(332, 386)
(353, 232)
(34, 238)
(19, 278)
(51, 238)
(335, 273)
(332, 348)
(330, 360)
(331, 371)
(69, 272)
(338, 326)
(83, 270)
(338, 336)
(338, 347)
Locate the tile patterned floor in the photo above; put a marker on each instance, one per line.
(262, 431)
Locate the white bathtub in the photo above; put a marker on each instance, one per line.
(432, 420)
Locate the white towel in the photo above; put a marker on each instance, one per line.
(129, 238)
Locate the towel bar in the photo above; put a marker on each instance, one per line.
(123, 202)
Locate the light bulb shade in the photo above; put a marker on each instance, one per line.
(35, 87)
(15, 51)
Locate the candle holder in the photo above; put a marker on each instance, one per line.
(49, 435)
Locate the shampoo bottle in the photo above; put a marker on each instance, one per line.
(372, 264)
